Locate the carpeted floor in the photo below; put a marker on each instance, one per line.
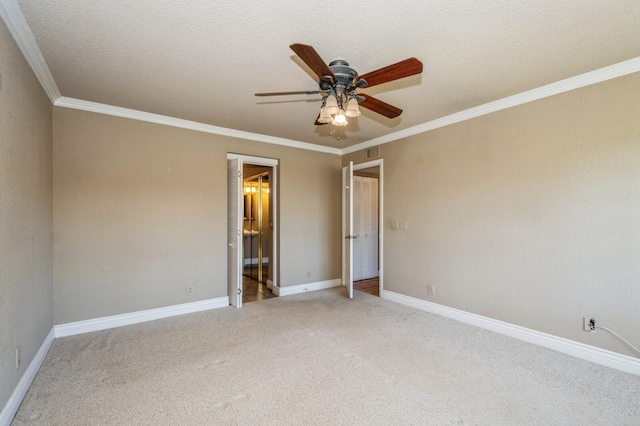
(319, 358)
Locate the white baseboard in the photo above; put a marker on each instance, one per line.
(301, 288)
(269, 284)
(11, 407)
(579, 350)
(97, 324)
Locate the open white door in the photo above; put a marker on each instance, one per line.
(347, 227)
(234, 231)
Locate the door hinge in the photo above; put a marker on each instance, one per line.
(239, 173)
(239, 291)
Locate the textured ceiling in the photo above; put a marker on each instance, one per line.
(204, 60)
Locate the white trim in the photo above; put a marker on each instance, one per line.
(19, 29)
(343, 274)
(274, 163)
(381, 223)
(579, 350)
(187, 124)
(104, 323)
(346, 225)
(259, 161)
(368, 164)
(301, 288)
(275, 230)
(572, 83)
(11, 407)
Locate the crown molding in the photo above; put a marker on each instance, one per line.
(603, 74)
(19, 28)
(21, 33)
(16, 23)
(589, 78)
(186, 124)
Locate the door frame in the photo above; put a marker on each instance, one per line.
(347, 228)
(273, 189)
(380, 164)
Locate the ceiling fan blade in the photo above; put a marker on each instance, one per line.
(376, 105)
(304, 92)
(310, 57)
(392, 72)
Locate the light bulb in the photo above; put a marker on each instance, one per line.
(340, 119)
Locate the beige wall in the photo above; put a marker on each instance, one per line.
(529, 215)
(26, 299)
(140, 213)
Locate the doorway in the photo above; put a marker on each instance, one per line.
(257, 229)
(363, 195)
(252, 228)
(365, 224)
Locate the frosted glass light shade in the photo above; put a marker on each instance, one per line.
(332, 105)
(352, 108)
(324, 117)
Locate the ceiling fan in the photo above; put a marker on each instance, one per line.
(339, 83)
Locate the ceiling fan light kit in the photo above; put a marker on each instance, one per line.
(339, 83)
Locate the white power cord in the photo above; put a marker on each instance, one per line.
(619, 337)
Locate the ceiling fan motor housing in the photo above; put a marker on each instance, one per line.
(344, 77)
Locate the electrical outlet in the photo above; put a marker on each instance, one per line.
(589, 324)
(189, 290)
(18, 357)
(431, 289)
(395, 224)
